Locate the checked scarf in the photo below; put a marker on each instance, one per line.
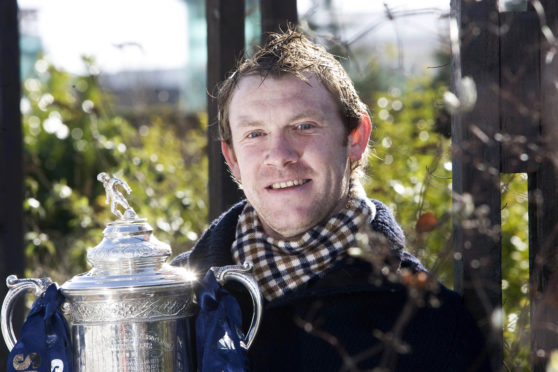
(280, 266)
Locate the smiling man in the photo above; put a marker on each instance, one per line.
(295, 133)
(289, 151)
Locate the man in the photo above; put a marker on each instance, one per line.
(340, 291)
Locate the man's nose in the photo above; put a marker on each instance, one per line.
(281, 151)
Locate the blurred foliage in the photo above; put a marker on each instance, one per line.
(515, 271)
(410, 170)
(71, 134)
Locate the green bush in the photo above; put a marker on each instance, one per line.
(72, 133)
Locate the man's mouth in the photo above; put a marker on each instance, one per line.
(287, 184)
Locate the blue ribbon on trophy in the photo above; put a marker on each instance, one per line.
(219, 337)
(44, 344)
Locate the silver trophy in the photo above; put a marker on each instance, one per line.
(132, 311)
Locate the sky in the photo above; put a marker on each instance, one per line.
(134, 34)
(121, 34)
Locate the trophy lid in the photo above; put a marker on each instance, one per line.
(129, 256)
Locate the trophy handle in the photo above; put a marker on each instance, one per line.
(18, 287)
(240, 274)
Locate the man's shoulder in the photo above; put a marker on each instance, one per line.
(355, 280)
(384, 222)
(353, 300)
(354, 277)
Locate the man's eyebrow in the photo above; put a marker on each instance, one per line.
(246, 122)
(307, 114)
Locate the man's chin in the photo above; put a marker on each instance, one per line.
(291, 230)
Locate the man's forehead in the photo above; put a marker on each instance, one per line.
(256, 80)
(254, 94)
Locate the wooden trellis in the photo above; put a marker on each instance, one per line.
(511, 129)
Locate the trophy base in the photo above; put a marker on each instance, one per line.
(158, 346)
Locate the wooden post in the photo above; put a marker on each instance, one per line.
(276, 15)
(476, 172)
(543, 265)
(225, 46)
(543, 206)
(519, 92)
(11, 155)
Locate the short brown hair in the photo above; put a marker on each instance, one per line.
(290, 52)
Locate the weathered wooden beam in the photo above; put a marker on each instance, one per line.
(476, 171)
(543, 273)
(276, 15)
(543, 203)
(11, 153)
(225, 46)
(519, 92)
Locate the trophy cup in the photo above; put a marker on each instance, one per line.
(132, 311)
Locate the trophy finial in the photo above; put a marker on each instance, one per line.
(115, 197)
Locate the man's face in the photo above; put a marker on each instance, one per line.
(290, 151)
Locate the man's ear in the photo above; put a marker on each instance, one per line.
(230, 157)
(358, 138)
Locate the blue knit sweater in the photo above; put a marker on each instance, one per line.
(352, 318)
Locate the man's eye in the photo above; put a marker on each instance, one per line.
(304, 126)
(254, 134)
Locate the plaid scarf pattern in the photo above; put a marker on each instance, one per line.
(280, 266)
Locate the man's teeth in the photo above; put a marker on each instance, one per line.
(283, 185)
